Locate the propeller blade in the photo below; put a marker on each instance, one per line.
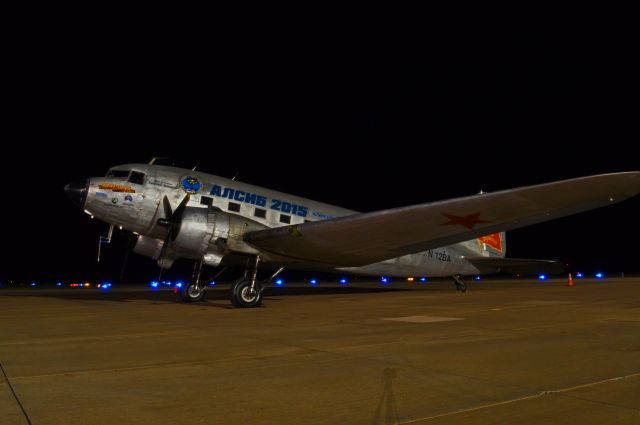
(180, 210)
(173, 218)
(172, 223)
(168, 211)
(164, 249)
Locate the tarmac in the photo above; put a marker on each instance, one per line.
(505, 352)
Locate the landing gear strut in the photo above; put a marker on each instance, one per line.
(246, 292)
(460, 285)
(194, 291)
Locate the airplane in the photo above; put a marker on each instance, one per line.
(219, 222)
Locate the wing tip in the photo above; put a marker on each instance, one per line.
(629, 181)
(634, 176)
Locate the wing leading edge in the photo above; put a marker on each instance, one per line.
(367, 238)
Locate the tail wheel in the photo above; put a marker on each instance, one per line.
(243, 296)
(192, 293)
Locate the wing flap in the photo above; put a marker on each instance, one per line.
(362, 239)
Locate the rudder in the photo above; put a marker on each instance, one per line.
(495, 244)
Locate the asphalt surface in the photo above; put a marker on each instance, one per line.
(517, 352)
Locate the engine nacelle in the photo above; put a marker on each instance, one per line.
(195, 233)
(147, 246)
(152, 247)
(204, 234)
(208, 234)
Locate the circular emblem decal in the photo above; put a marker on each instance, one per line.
(191, 184)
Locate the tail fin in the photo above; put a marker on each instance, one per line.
(495, 244)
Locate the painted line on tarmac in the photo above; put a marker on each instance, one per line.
(528, 397)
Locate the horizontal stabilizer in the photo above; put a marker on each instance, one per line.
(522, 266)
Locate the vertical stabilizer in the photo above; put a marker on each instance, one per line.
(494, 244)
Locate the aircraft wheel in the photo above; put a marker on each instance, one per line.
(242, 296)
(192, 294)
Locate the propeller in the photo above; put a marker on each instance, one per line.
(171, 221)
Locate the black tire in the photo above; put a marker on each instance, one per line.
(190, 294)
(241, 294)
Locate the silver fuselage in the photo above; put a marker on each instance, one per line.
(137, 204)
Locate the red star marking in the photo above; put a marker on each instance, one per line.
(468, 221)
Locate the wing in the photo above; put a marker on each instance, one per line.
(368, 238)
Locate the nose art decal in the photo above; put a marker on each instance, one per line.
(191, 184)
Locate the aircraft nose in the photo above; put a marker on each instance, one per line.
(77, 191)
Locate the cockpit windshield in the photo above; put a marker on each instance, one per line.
(131, 176)
(120, 174)
(136, 177)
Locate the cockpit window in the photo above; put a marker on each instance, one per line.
(118, 173)
(136, 177)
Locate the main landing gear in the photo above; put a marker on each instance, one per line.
(246, 292)
(460, 285)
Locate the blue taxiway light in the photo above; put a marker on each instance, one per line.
(599, 275)
(279, 282)
(105, 286)
(384, 280)
(32, 284)
(168, 282)
(477, 278)
(179, 284)
(212, 283)
(542, 277)
(313, 282)
(154, 284)
(59, 284)
(423, 279)
(579, 275)
(344, 281)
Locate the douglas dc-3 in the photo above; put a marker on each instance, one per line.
(215, 221)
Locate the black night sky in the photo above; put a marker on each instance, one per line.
(362, 127)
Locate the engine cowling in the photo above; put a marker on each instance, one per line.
(207, 234)
(152, 247)
(195, 232)
(203, 234)
(148, 246)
